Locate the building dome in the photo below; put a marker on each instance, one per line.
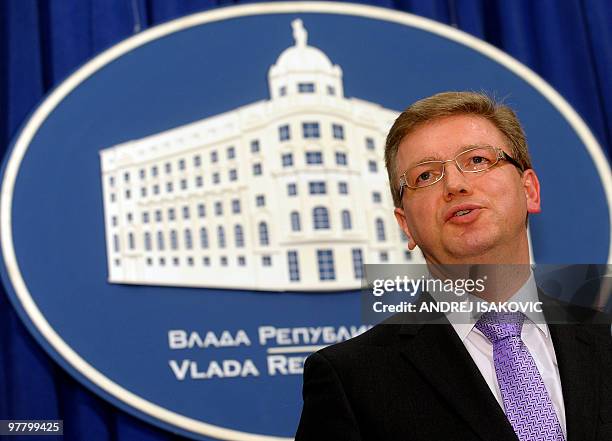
(302, 63)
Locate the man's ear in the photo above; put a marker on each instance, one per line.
(400, 217)
(531, 186)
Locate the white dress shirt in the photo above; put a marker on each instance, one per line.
(536, 336)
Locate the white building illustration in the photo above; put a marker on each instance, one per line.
(288, 193)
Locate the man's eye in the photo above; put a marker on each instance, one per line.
(479, 160)
(423, 177)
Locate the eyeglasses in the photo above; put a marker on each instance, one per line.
(472, 160)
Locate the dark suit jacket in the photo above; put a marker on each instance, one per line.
(414, 382)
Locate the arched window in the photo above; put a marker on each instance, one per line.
(320, 218)
(203, 238)
(264, 239)
(188, 239)
(221, 236)
(147, 241)
(238, 236)
(380, 230)
(173, 240)
(295, 221)
(346, 220)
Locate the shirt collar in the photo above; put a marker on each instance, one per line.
(464, 322)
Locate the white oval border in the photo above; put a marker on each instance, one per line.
(41, 113)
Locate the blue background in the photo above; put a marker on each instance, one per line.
(58, 210)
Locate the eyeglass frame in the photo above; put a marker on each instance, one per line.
(501, 155)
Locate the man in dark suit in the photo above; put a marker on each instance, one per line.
(463, 186)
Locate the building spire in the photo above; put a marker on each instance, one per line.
(300, 35)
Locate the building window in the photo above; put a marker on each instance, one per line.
(256, 169)
(342, 188)
(221, 236)
(114, 221)
(282, 91)
(338, 131)
(188, 239)
(236, 206)
(181, 164)
(314, 158)
(158, 216)
(241, 261)
(294, 267)
(310, 130)
(147, 241)
(380, 230)
(168, 168)
(216, 178)
(295, 221)
(264, 238)
(145, 217)
(203, 238)
(218, 208)
(284, 134)
(128, 194)
(169, 187)
(173, 240)
(325, 259)
(292, 189)
(116, 247)
(154, 170)
(370, 143)
(201, 210)
(231, 153)
(171, 214)
(129, 217)
(206, 261)
(376, 197)
(346, 220)
(143, 192)
(160, 241)
(317, 187)
(190, 261)
(341, 158)
(306, 87)
(357, 263)
(149, 261)
(372, 166)
(214, 157)
(331, 90)
(197, 161)
(126, 176)
(287, 159)
(175, 261)
(162, 261)
(383, 256)
(156, 189)
(111, 181)
(407, 255)
(266, 260)
(260, 200)
(255, 146)
(117, 262)
(320, 218)
(233, 174)
(239, 236)
(183, 184)
(199, 181)
(186, 212)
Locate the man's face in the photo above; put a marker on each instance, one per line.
(499, 198)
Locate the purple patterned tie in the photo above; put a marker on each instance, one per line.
(526, 400)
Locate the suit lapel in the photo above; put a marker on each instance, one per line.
(438, 353)
(579, 381)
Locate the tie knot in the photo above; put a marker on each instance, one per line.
(497, 326)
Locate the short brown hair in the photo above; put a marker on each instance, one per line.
(454, 103)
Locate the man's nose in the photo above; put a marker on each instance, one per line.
(455, 181)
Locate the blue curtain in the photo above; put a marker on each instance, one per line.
(568, 43)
